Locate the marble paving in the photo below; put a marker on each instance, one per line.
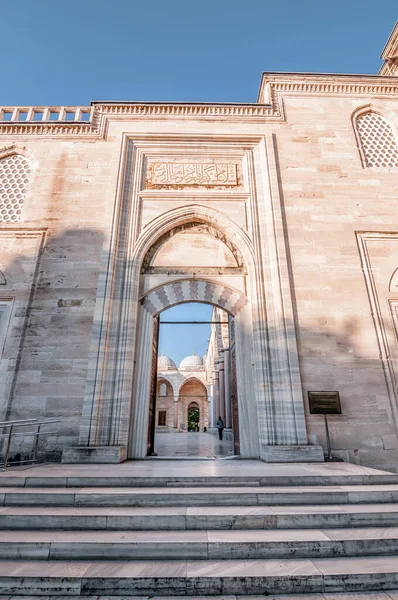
(234, 467)
(192, 444)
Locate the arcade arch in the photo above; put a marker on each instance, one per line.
(193, 393)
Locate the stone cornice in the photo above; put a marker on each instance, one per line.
(273, 85)
(268, 109)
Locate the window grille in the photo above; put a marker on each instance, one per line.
(14, 178)
(378, 141)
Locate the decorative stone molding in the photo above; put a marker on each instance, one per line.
(274, 84)
(363, 240)
(269, 392)
(147, 262)
(10, 149)
(194, 290)
(393, 287)
(393, 306)
(46, 120)
(269, 107)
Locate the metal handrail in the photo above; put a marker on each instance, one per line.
(25, 422)
(36, 434)
(9, 423)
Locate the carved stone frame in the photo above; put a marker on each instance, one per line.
(278, 398)
(363, 238)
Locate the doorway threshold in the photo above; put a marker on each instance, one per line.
(174, 457)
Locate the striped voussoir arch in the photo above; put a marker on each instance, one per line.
(194, 290)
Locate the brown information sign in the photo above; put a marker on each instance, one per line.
(324, 403)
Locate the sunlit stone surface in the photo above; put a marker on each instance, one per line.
(281, 213)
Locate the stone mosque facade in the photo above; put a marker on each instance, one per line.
(282, 213)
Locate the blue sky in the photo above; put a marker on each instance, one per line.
(66, 53)
(179, 341)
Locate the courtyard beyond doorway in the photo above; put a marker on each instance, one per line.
(191, 393)
(192, 444)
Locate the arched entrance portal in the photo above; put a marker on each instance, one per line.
(194, 261)
(241, 271)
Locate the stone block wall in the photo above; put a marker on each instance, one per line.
(342, 251)
(330, 200)
(51, 261)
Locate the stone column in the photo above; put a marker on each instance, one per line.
(222, 389)
(176, 411)
(216, 399)
(211, 403)
(228, 420)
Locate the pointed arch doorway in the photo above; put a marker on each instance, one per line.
(194, 260)
(116, 406)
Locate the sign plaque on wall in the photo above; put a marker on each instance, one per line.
(324, 403)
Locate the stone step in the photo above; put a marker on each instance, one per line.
(198, 518)
(198, 578)
(197, 545)
(205, 496)
(15, 479)
(388, 595)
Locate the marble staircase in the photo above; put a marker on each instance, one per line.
(72, 534)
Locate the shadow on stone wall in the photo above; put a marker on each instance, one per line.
(343, 356)
(44, 362)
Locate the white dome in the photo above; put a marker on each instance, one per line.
(165, 363)
(191, 362)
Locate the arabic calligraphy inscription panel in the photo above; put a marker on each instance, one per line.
(191, 174)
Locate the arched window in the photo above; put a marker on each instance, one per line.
(377, 140)
(14, 178)
(163, 389)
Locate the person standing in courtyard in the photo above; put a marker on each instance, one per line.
(220, 427)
